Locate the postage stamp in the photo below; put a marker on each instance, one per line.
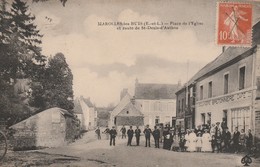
(234, 24)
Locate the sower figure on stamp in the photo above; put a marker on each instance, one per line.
(232, 21)
(156, 136)
(123, 131)
(130, 134)
(137, 135)
(113, 134)
(147, 134)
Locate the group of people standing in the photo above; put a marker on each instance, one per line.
(109, 132)
(158, 135)
(148, 133)
(215, 139)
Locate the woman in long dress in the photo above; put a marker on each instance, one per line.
(192, 141)
(186, 137)
(206, 142)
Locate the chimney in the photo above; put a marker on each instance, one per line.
(223, 49)
(133, 100)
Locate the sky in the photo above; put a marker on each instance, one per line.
(105, 60)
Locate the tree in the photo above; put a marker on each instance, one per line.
(55, 86)
(20, 56)
(25, 36)
(5, 22)
(19, 43)
(62, 1)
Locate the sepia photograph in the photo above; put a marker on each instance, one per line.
(129, 83)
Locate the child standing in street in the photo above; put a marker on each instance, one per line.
(199, 142)
(213, 143)
(182, 143)
(218, 141)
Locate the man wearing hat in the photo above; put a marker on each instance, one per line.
(236, 140)
(113, 134)
(137, 135)
(147, 134)
(224, 124)
(218, 128)
(130, 134)
(106, 131)
(156, 136)
(226, 135)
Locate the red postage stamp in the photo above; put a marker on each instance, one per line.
(234, 24)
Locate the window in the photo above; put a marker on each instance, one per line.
(225, 114)
(240, 117)
(209, 118)
(203, 118)
(170, 106)
(115, 121)
(210, 90)
(152, 105)
(182, 105)
(226, 76)
(179, 106)
(127, 112)
(201, 92)
(156, 106)
(242, 74)
(157, 120)
(163, 106)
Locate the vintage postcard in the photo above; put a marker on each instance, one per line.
(129, 83)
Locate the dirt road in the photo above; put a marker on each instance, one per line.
(89, 152)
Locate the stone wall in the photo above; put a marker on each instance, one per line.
(23, 140)
(46, 129)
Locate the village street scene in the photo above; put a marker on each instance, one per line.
(129, 83)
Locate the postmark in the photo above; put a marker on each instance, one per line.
(234, 24)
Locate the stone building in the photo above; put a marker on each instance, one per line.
(158, 102)
(127, 113)
(86, 112)
(229, 88)
(50, 128)
(185, 106)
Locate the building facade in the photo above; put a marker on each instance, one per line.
(127, 113)
(229, 88)
(86, 112)
(185, 106)
(158, 103)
